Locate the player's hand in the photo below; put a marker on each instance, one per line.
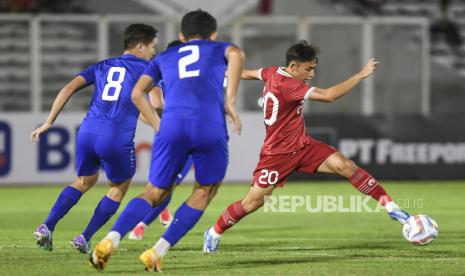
(156, 126)
(232, 117)
(38, 131)
(368, 69)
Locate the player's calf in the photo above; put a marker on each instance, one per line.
(368, 185)
(85, 183)
(155, 195)
(202, 196)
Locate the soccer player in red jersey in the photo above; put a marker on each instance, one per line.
(288, 147)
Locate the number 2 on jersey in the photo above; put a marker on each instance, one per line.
(185, 61)
(115, 84)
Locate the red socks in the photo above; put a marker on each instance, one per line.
(229, 217)
(368, 185)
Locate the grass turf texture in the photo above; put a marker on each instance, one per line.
(263, 243)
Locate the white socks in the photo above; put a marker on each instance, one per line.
(212, 232)
(390, 206)
(115, 238)
(162, 247)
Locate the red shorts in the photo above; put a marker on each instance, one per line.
(275, 169)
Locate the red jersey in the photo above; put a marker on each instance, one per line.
(283, 99)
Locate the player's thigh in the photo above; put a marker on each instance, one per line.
(118, 157)
(87, 160)
(314, 156)
(274, 170)
(170, 151)
(210, 153)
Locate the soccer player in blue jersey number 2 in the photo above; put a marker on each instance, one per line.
(157, 101)
(106, 134)
(193, 124)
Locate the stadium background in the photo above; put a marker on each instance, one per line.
(404, 124)
(415, 101)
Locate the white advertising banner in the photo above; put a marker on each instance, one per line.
(52, 160)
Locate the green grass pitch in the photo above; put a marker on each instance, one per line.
(299, 243)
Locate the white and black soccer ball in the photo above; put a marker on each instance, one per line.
(420, 230)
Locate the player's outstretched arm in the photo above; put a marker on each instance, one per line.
(252, 74)
(141, 102)
(337, 91)
(235, 63)
(60, 101)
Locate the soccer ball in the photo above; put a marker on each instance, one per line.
(420, 230)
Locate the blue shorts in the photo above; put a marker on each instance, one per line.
(114, 154)
(185, 170)
(206, 142)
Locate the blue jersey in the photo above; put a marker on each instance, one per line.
(111, 109)
(193, 75)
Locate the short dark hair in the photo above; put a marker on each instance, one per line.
(174, 43)
(302, 51)
(198, 23)
(138, 33)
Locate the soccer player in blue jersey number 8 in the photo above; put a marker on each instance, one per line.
(106, 134)
(193, 124)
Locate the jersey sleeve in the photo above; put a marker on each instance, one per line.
(265, 72)
(89, 73)
(224, 46)
(153, 70)
(297, 91)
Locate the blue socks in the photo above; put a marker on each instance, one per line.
(184, 219)
(153, 214)
(103, 212)
(65, 201)
(134, 212)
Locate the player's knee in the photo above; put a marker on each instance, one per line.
(202, 195)
(213, 192)
(155, 195)
(346, 167)
(349, 167)
(118, 191)
(84, 183)
(78, 184)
